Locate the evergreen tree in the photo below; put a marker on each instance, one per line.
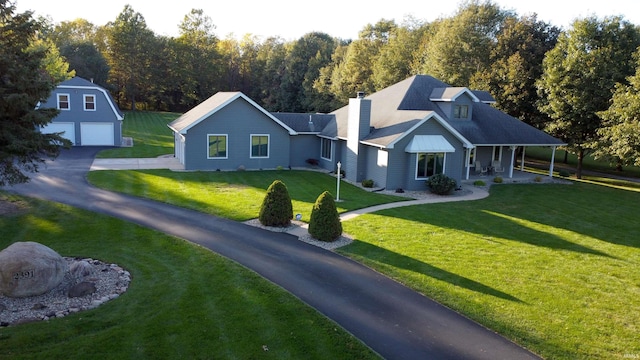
(24, 82)
(325, 224)
(276, 209)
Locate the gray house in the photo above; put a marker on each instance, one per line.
(88, 114)
(397, 137)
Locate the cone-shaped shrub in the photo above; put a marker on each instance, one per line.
(325, 224)
(276, 209)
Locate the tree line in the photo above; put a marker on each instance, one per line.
(579, 84)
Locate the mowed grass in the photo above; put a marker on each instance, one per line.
(589, 163)
(553, 267)
(151, 136)
(235, 195)
(184, 302)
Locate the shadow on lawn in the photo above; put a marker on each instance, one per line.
(398, 260)
(492, 223)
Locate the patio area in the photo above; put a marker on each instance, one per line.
(518, 177)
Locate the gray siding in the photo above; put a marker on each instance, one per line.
(238, 120)
(376, 166)
(76, 113)
(304, 147)
(403, 173)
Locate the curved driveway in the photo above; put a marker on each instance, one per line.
(393, 320)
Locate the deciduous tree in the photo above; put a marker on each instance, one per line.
(579, 78)
(620, 134)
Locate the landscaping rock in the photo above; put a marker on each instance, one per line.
(29, 269)
(82, 289)
(81, 269)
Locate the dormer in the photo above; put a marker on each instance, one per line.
(455, 102)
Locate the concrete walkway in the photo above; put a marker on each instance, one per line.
(162, 162)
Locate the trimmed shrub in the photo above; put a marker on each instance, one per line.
(325, 224)
(276, 209)
(479, 183)
(368, 183)
(564, 173)
(313, 162)
(497, 180)
(537, 179)
(441, 184)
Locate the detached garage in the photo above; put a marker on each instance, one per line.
(88, 114)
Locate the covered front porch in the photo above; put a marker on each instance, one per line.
(500, 160)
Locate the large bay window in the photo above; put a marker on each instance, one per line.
(429, 164)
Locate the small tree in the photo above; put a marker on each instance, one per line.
(325, 223)
(276, 209)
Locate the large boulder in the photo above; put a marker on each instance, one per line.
(29, 269)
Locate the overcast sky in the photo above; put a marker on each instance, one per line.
(290, 19)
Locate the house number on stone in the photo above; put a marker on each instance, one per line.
(27, 274)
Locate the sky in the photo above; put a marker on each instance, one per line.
(291, 19)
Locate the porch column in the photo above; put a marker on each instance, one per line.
(513, 157)
(467, 158)
(524, 148)
(553, 159)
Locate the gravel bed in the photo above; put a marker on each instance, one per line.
(299, 227)
(110, 281)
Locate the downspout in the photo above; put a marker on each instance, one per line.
(553, 159)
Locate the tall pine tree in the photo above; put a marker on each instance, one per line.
(24, 81)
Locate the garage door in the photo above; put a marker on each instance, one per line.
(96, 134)
(68, 130)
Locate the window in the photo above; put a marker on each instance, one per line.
(429, 164)
(461, 111)
(217, 145)
(89, 103)
(63, 102)
(259, 146)
(325, 149)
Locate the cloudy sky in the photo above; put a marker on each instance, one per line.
(290, 19)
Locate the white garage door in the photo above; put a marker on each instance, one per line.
(96, 134)
(68, 130)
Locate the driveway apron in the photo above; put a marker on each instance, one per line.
(393, 320)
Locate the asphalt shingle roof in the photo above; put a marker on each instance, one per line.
(397, 108)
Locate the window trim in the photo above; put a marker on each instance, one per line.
(84, 97)
(226, 149)
(444, 164)
(323, 142)
(68, 101)
(251, 136)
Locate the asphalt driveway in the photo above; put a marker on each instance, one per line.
(393, 320)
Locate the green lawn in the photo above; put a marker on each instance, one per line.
(184, 302)
(151, 136)
(234, 195)
(553, 267)
(589, 163)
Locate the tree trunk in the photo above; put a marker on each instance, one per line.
(579, 167)
(566, 157)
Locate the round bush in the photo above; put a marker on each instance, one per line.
(325, 224)
(368, 183)
(441, 184)
(498, 180)
(276, 209)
